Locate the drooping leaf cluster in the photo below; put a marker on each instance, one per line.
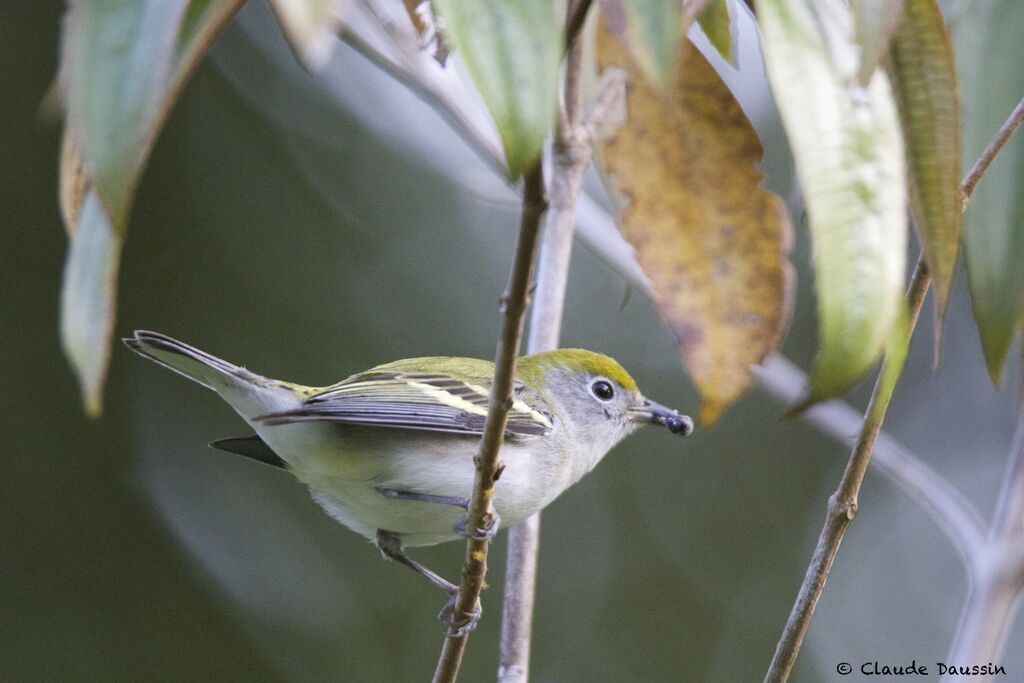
(867, 92)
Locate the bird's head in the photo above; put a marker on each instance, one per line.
(597, 396)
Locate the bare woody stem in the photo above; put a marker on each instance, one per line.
(842, 505)
(488, 461)
(570, 160)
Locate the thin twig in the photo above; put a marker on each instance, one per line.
(842, 505)
(986, 158)
(488, 462)
(570, 160)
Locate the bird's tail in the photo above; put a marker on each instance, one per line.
(199, 366)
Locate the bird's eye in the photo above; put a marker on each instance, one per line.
(602, 389)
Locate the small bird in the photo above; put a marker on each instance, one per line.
(389, 452)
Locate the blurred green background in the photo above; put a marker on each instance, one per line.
(309, 227)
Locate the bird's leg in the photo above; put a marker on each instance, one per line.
(398, 494)
(390, 547)
(486, 533)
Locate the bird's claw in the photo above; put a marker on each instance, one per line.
(459, 626)
(485, 534)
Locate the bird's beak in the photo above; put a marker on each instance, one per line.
(656, 413)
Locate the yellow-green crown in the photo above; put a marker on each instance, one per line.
(580, 360)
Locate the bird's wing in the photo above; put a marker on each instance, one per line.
(437, 401)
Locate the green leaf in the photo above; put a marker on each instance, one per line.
(311, 27)
(924, 78)
(652, 31)
(988, 49)
(122, 77)
(512, 50)
(714, 21)
(118, 59)
(849, 159)
(876, 22)
(88, 298)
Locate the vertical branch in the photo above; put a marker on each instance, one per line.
(545, 328)
(488, 462)
(520, 593)
(571, 157)
(842, 505)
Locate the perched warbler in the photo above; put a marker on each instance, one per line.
(389, 452)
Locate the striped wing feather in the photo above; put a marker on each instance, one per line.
(435, 402)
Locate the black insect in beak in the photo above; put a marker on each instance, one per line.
(656, 413)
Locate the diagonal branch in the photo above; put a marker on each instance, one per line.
(989, 155)
(488, 462)
(842, 506)
(571, 157)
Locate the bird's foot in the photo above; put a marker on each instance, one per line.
(485, 534)
(459, 625)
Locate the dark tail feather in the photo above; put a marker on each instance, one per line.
(252, 447)
(186, 360)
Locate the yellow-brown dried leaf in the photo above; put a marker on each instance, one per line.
(712, 240)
